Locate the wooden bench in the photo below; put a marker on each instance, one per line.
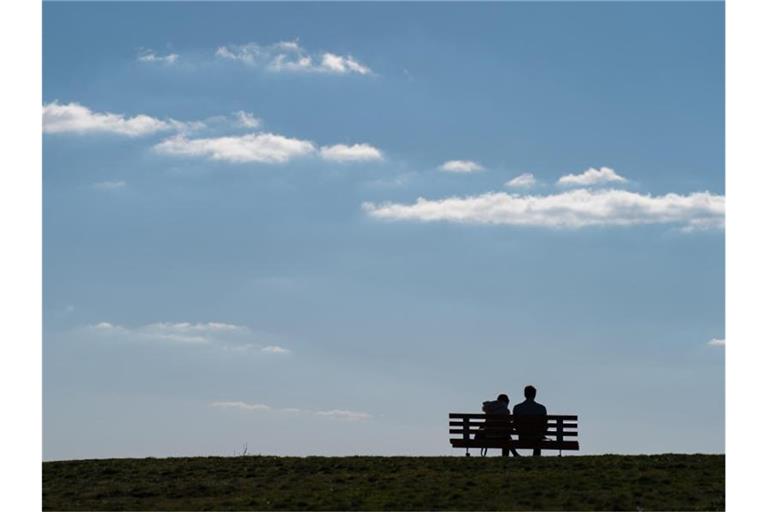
(499, 432)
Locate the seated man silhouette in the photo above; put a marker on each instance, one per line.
(496, 428)
(530, 420)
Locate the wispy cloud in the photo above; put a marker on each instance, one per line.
(340, 64)
(110, 185)
(219, 334)
(151, 56)
(716, 342)
(338, 414)
(591, 177)
(397, 181)
(76, 118)
(461, 166)
(568, 210)
(345, 415)
(246, 119)
(289, 56)
(353, 153)
(252, 147)
(523, 181)
(241, 405)
(274, 349)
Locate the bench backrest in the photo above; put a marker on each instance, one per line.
(555, 427)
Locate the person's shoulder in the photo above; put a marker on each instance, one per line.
(518, 407)
(542, 408)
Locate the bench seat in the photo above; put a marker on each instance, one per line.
(503, 432)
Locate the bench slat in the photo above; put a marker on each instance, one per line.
(552, 433)
(495, 443)
(481, 416)
(478, 423)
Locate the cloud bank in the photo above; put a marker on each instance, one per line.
(568, 210)
(289, 56)
(716, 342)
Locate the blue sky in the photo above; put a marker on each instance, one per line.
(235, 249)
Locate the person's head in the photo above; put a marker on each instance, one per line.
(529, 392)
(503, 398)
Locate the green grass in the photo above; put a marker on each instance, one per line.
(608, 482)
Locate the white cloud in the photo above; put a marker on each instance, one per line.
(186, 126)
(353, 153)
(289, 56)
(252, 147)
(461, 166)
(716, 342)
(264, 148)
(187, 327)
(339, 414)
(151, 56)
(174, 332)
(572, 209)
(242, 405)
(73, 117)
(247, 120)
(225, 336)
(523, 181)
(110, 185)
(275, 349)
(338, 64)
(592, 177)
(345, 415)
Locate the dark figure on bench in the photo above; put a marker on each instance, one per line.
(530, 419)
(496, 428)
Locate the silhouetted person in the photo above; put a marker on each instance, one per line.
(498, 406)
(496, 428)
(529, 427)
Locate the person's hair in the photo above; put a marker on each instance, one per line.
(529, 392)
(502, 398)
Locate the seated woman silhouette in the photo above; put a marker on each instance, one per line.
(496, 428)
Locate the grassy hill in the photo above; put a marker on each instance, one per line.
(608, 482)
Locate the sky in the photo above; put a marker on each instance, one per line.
(318, 229)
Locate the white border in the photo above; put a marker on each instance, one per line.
(21, 255)
(20, 258)
(746, 254)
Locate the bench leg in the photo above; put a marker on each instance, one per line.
(505, 452)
